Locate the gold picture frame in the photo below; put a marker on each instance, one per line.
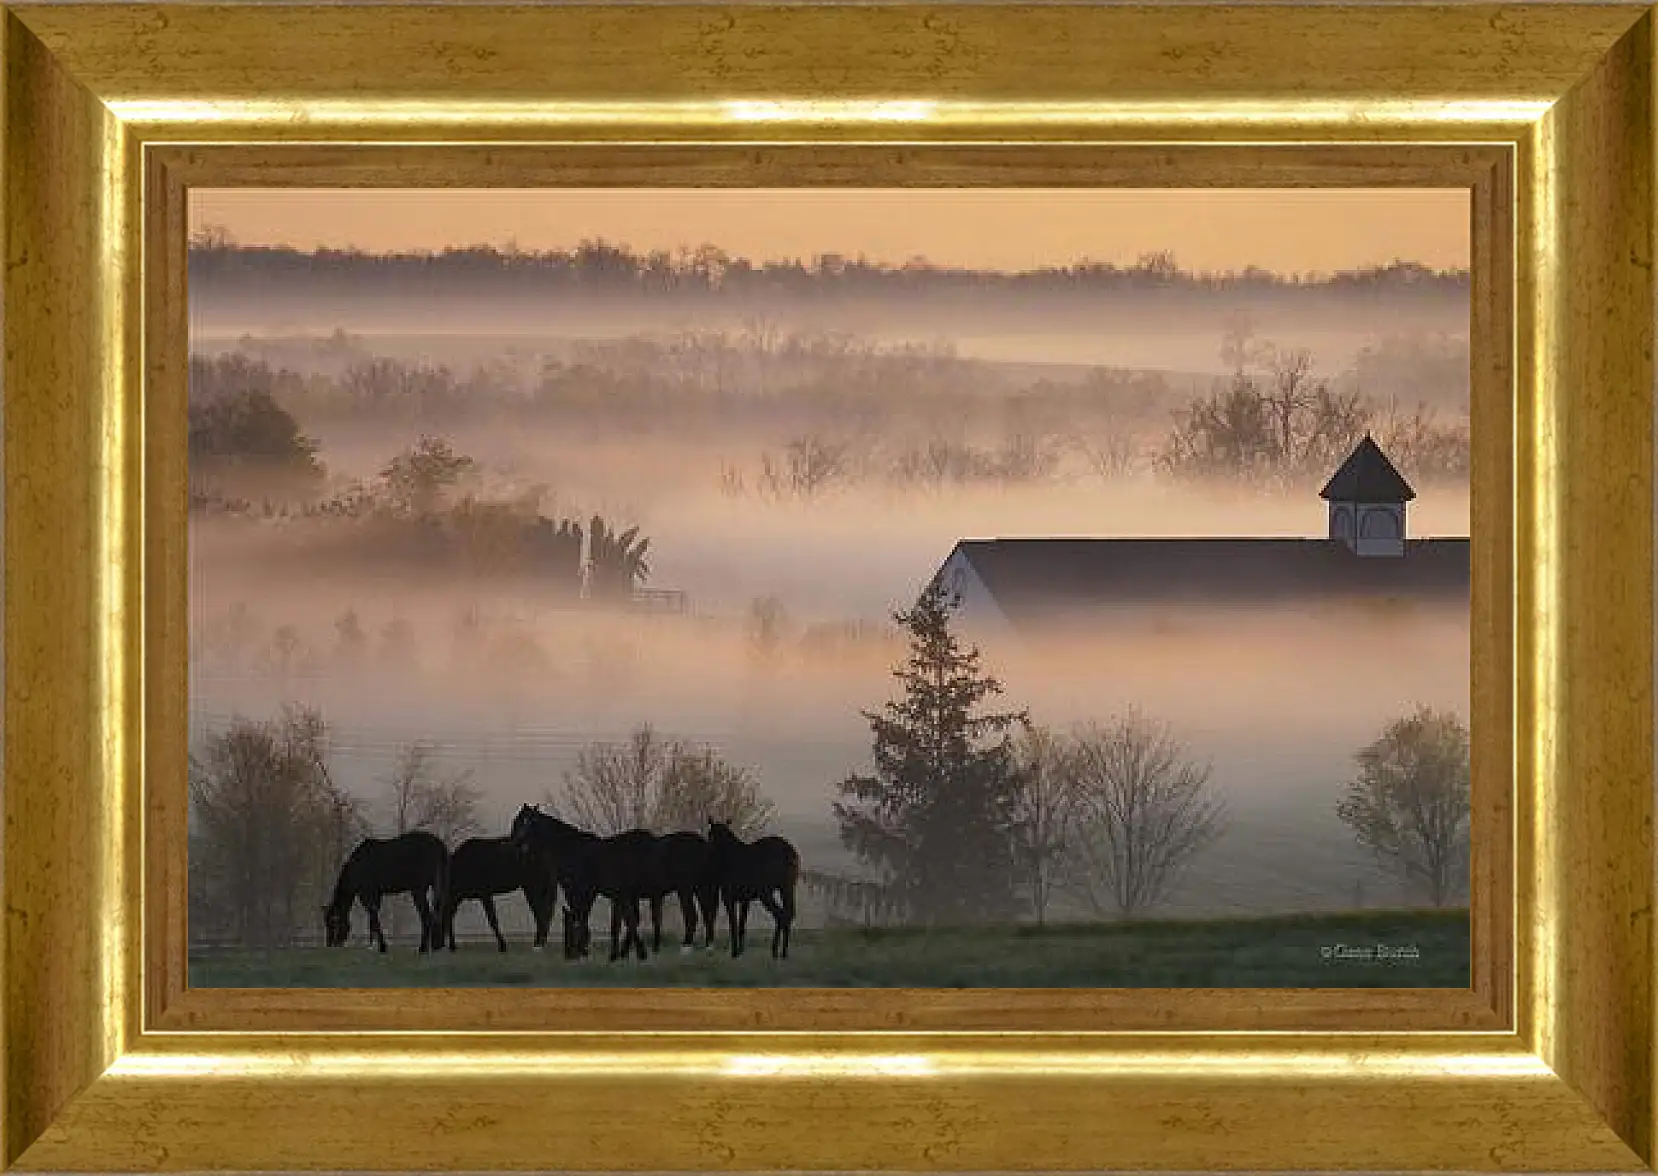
(112, 111)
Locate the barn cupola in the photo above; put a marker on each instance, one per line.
(1367, 498)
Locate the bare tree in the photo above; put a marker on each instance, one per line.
(1042, 812)
(1227, 433)
(1336, 422)
(418, 798)
(612, 785)
(1418, 442)
(1410, 803)
(698, 786)
(1288, 398)
(1279, 422)
(761, 336)
(1111, 455)
(265, 817)
(1140, 811)
(664, 785)
(810, 465)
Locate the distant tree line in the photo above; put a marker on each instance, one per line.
(412, 510)
(758, 373)
(239, 429)
(235, 639)
(596, 266)
(1274, 418)
(411, 505)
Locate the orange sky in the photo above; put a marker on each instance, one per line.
(1289, 231)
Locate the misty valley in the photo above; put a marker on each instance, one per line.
(657, 550)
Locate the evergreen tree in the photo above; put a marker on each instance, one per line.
(939, 815)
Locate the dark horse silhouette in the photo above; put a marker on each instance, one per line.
(416, 864)
(678, 864)
(767, 870)
(483, 867)
(587, 866)
(682, 865)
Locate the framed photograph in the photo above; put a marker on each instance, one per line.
(911, 588)
(662, 523)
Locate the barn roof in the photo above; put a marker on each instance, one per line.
(1367, 476)
(1034, 578)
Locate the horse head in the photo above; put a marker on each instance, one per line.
(721, 840)
(336, 925)
(522, 825)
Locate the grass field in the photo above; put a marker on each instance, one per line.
(1294, 951)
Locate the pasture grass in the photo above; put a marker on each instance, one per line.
(1276, 952)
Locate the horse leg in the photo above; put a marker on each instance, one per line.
(428, 921)
(657, 902)
(615, 928)
(572, 935)
(494, 924)
(688, 916)
(731, 926)
(785, 899)
(574, 914)
(582, 916)
(778, 921)
(709, 900)
(634, 921)
(742, 926)
(782, 913)
(376, 937)
(446, 922)
(543, 912)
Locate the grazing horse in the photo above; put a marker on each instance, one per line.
(483, 867)
(767, 870)
(414, 864)
(587, 866)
